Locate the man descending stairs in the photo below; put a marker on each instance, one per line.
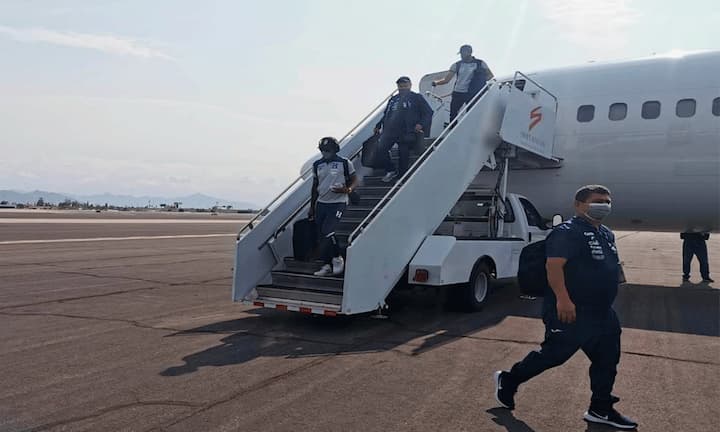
(406, 119)
(318, 281)
(333, 181)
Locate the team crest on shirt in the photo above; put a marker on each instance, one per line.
(596, 250)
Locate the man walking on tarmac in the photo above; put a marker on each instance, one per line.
(472, 74)
(583, 271)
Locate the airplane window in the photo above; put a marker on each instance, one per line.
(618, 111)
(651, 110)
(685, 108)
(586, 113)
(716, 107)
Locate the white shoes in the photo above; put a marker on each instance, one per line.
(337, 268)
(389, 177)
(326, 270)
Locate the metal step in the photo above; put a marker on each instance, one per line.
(304, 267)
(348, 223)
(365, 202)
(272, 293)
(375, 180)
(412, 159)
(373, 191)
(302, 281)
(357, 212)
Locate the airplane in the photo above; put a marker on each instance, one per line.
(649, 129)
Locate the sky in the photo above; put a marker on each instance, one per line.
(229, 97)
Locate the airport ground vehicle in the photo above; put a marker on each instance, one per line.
(391, 223)
(477, 243)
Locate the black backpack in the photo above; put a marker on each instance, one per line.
(480, 76)
(532, 275)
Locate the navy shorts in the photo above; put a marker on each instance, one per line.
(327, 216)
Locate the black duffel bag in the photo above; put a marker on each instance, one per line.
(304, 239)
(369, 152)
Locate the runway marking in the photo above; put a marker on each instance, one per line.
(97, 239)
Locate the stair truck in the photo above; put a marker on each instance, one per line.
(430, 226)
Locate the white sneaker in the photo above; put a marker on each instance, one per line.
(389, 177)
(326, 270)
(338, 266)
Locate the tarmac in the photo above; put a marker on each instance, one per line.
(129, 326)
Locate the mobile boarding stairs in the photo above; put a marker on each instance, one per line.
(386, 229)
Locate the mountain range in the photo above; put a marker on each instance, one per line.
(190, 201)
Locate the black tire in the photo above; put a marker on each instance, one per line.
(473, 295)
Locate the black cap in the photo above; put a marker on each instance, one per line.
(465, 47)
(329, 144)
(402, 79)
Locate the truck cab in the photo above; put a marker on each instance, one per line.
(479, 241)
(469, 218)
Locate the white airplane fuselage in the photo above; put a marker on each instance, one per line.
(664, 173)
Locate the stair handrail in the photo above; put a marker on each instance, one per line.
(250, 225)
(300, 208)
(436, 96)
(518, 73)
(438, 141)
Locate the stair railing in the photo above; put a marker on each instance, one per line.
(257, 219)
(415, 166)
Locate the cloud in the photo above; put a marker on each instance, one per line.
(105, 43)
(600, 25)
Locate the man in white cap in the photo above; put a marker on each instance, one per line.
(472, 74)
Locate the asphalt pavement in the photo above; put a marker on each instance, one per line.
(138, 333)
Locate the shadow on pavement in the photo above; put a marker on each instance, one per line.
(506, 419)
(422, 324)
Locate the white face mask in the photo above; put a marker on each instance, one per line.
(598, 211)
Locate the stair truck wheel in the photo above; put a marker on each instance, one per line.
(472, 296)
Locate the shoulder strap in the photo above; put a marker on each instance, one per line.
(315, 168)
(480, 69)
(346, 170)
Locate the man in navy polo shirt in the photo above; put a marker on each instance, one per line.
(406, 119)
(583, 271)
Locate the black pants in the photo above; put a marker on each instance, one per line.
(327, 216)
(599, 338)
(387, 141)
(457, 101)
(698, 248)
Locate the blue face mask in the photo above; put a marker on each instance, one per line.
(403, 91)
(327, 155)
